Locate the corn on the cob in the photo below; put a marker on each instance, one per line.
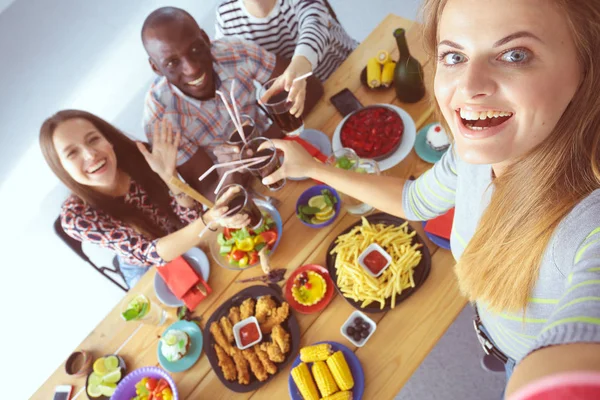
(304, 382)
(325, 381)
(373, 73)
(341, 372)
(345, 395)
(317, 352)
(383, 57)
(387, 76)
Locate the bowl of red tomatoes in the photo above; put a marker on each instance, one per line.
(238, 248)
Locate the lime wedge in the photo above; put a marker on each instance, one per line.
(315, 221)
(93, 390)
(325, 213)
(317, 202)
(111, 363)
(99, 367)
(112, 377)
(94, 379)
(137, 308)
(170, 339)
(325, 217)
(107, 389)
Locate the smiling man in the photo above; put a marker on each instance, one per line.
(191, 69)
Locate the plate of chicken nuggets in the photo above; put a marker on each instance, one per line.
(247, 370)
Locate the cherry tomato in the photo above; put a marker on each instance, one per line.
(237, 255)
(151, 384)
(253, 255)
(227, 233)
(270, 237)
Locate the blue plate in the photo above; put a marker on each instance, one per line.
(198, 260)
(437, 240)
(424, 151)
(353, 363)
(187, 361)
(318, 139)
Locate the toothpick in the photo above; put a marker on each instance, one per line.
(230, 163)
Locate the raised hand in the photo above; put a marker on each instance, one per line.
(163, 157)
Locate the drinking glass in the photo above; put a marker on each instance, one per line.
(242, 200)
(266, 167)
(279, 109)
(140, 308)
(248, 127)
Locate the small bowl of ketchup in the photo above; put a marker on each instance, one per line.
(247, 333)
(374, 260)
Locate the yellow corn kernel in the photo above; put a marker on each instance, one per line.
(373, 73)
(340, 370)
(304, 382)
(325, 381)
(317, 352)
(383, 57)
(387, 76)
(345, 395)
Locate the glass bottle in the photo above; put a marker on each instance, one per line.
(408, 74)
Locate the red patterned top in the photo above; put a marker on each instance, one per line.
(85, 223)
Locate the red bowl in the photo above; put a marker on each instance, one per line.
(315, 307)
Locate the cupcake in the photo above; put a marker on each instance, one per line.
(175, 345)
(437, 138)
(309, 288)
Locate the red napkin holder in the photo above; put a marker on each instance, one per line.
(184, 282)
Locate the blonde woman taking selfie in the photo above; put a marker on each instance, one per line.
(518, 85)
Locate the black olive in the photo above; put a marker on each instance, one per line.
(358, 321)
(357, 336)
(364, 334)
(350, 330)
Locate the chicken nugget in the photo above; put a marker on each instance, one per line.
(255, 365)
(227, 328)
(282, 338)
(234, 315)
(273, 352)
(241, 366)
(264, 307)
(264, 359)
(226, 363)
(277, 317)
(247, 308)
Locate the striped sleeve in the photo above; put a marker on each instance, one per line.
(219, 25)
(434, 192)
(314, 31)
(576, 317)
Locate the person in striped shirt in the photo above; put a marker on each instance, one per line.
(190, 70)
(304, 31)
(521, 101)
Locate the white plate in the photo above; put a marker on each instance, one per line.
(408, 138)
(198, 260)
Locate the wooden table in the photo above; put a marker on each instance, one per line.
(404, 335)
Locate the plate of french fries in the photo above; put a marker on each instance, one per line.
(247, 370)
(411, 262)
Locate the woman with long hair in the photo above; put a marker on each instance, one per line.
(517, 84)
(121, 196)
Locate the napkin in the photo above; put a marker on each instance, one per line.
(442, 225)
(184, 282)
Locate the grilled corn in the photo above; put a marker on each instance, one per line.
(373, 73)
(304, 382)
(387, 76)
(345, 395)
(341, 372)
(383, 57)
(317, 352)
(325, 381)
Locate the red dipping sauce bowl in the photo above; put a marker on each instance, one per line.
(247, 333)
(374, 260)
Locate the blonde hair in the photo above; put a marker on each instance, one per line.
(501, 263)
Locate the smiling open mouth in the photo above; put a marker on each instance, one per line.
(198, 81)
(481, 120)
(96, 167)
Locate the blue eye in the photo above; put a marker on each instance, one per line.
(451, 58)
(515, 56)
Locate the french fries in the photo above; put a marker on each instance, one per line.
(355, 283)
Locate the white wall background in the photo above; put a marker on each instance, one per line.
(57, 54)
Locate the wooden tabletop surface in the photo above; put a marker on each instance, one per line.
(404, 335)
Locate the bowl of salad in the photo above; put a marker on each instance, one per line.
(238, 248)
